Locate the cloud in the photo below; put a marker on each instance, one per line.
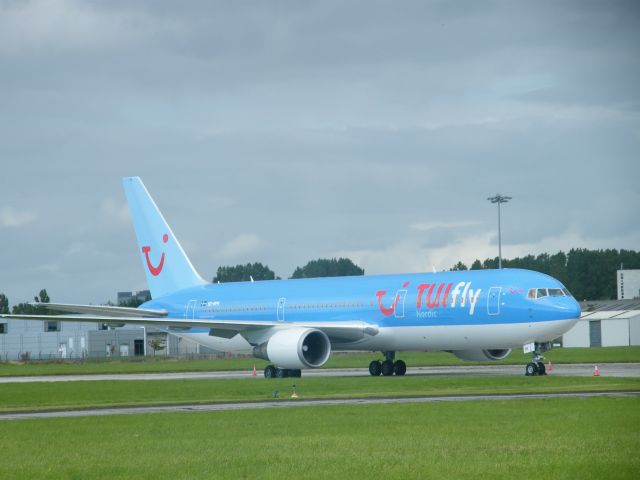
(410, 256)
(63, 26)
(12, 218)
(115, 210)
(240, 246)
(427, 226)
(283, 132)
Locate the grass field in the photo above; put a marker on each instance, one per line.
(71, 395)
(159, 364)
(591, 438)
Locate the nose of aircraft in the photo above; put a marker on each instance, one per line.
(570, 308)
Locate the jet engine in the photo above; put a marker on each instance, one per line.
(481, 355)
(295, 348)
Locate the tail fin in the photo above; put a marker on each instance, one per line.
(166, 265)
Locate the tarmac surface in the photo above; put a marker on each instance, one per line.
(289, 403)
(581, 370)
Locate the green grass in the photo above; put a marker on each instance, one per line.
(71, 395)
(554, 438)
(359, 360)
(132, 365)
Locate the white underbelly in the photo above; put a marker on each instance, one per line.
(424, 338)
(461, 337)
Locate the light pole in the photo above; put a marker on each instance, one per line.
(499, 199)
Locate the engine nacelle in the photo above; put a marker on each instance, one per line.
(481, 355)
(295, 348)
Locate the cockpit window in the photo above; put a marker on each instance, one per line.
(547, 292)
(541, 292)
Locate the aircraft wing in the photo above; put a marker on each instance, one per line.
(336, 331)
(102, 310)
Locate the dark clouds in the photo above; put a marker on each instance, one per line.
(285, 131)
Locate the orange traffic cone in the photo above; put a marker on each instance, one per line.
(549, 367)
(596, 373)
(254, 372)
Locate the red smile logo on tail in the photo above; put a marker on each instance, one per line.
(155, 271)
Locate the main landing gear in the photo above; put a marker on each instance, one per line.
(536, 366)
(388, 367)
(274, 372)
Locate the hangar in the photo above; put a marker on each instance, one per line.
(606, 323)
(44, 340)
(36, 339)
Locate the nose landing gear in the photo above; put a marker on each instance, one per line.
(536, 366)
(388, 367)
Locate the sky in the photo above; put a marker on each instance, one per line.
(287, 131)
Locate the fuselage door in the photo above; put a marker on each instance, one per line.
(281, 303)
(401, 296)
(190, 310)
(493, 301)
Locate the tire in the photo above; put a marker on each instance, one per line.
(387, 368)
(531, 369)
(282, 372)
(295, 373)
(375, 368)
(269, 371)
(541, 369)
(399, 368)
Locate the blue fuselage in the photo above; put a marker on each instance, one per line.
(444, 299)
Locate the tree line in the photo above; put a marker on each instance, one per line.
(323, 267)
(26, 308)
(588, 274)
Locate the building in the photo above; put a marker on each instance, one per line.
(125, 298)
(607, 323)
(628, 284)
(41, 340)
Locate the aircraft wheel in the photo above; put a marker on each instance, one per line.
(387, 368)
(531, 369)
(541, 369)
(269, 371)
(375, 368)
(399, 368)
(295, 373)
(282, 372)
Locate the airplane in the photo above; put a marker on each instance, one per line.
(296, 324)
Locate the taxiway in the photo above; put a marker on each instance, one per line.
(581, 370)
